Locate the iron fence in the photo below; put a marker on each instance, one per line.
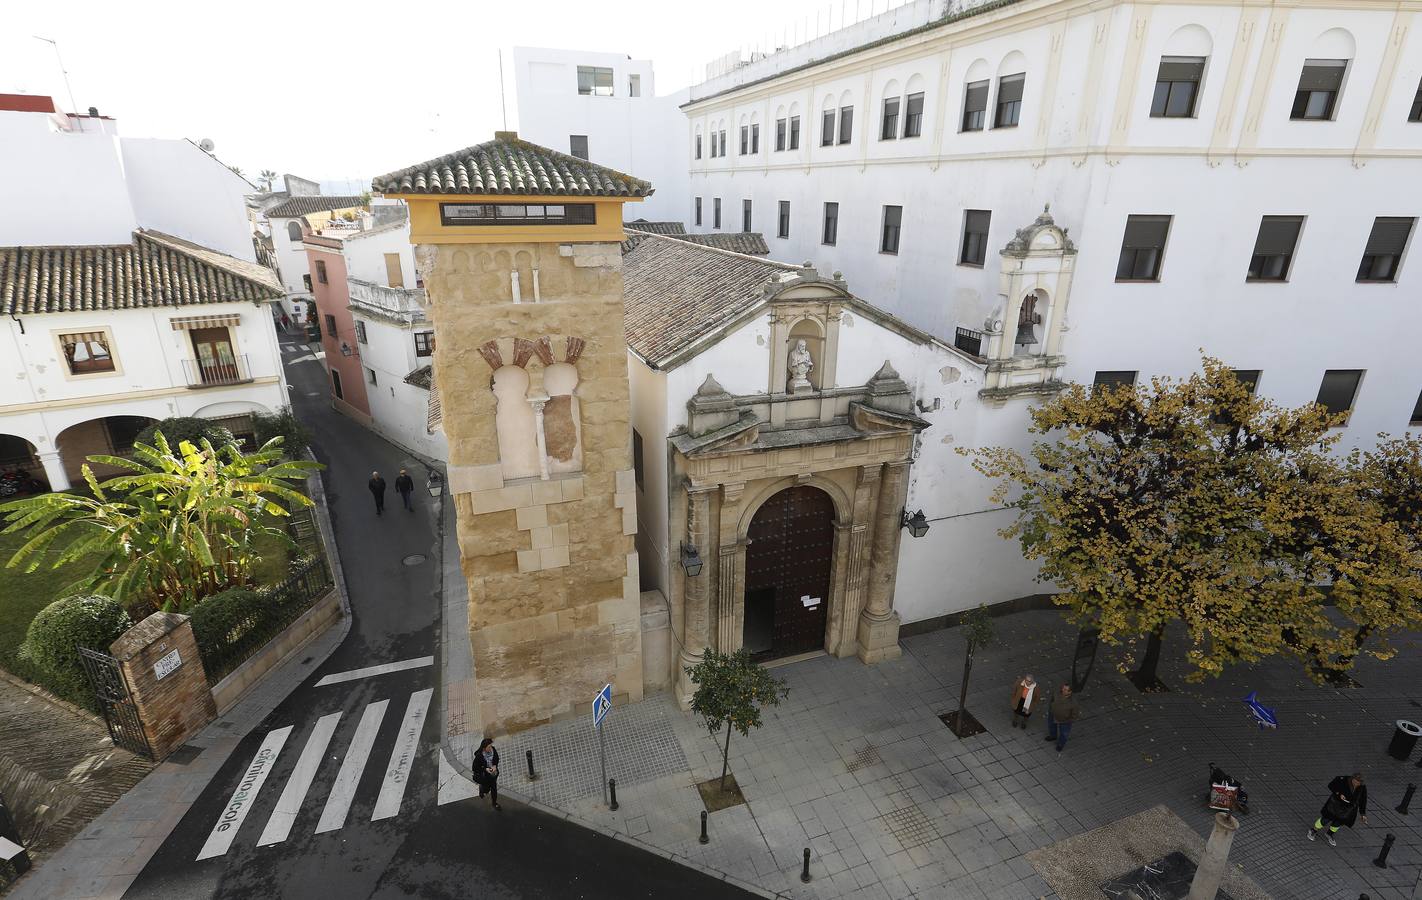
(279, 605)
(214, 372)
(969, 341)
(115, 701)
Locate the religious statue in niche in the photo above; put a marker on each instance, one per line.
(800, 365)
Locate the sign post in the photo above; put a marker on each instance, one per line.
(602, 704)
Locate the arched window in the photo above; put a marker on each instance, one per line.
(1182, 70)
(293, 231)
(562, 425)
(1011, 80)
(513, 419)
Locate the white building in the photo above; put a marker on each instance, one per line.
(603, 107)
(127, 288)
(1239, 179)
(286, 219)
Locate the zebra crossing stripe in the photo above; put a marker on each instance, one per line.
(338, 804)
(299, 782)
(240, 804)
(397, 774)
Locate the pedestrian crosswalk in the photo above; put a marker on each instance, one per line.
(298, 781)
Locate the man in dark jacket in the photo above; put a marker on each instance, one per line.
(1347, 802)
(377, 489)
(1061, 716)
(405, 486)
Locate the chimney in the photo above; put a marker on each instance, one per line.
(94, 111)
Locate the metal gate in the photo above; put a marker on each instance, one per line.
(115, 701)
(788, 566)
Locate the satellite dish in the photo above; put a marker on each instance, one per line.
(207, 145)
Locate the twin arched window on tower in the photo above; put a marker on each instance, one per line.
(537, 415)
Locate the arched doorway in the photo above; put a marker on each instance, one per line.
(108, 436)
(788, 564)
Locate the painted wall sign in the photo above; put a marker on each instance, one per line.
(167, 664)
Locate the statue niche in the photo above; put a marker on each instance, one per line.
(802, 363)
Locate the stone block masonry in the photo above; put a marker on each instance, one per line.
(160, 659)
(541, 472)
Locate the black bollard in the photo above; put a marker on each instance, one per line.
(1381, 861)
(532, 775)
(1406, 799)
(612, 788)
(805, 872)
(704, 839)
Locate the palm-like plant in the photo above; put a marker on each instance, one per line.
(267, 177)
(181, 527)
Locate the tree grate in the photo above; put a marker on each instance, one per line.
(863, 758)
(910, 827)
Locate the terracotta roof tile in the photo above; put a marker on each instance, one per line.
(507, 165)
(655, 227)
(303, 206)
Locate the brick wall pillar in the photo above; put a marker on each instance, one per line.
(170, 691)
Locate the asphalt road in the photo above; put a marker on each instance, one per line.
(374, 830)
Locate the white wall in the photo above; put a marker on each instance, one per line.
(365, 254)
(398, 410)
(291, 261)
(178, 189)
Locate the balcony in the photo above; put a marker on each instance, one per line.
(403, 306)
(216, 374)
(969, 341)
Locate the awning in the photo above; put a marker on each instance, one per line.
(187, 323)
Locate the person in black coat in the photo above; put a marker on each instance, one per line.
(486, 770)
(405, 486)
(377, 490)
(1347, 802)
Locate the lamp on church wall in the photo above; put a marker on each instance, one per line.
(690, 560)
(917, 524)
(434, 484)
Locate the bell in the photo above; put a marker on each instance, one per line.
(1025, 334)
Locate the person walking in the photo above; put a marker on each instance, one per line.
(377, 488)
(1023, 693)
(1062, 713)
(405, 486)
(486, 770)
(1347, 802)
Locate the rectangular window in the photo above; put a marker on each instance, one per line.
(746, 216)
(827, 129)
(783, 226)
(723, 142)
(637, 458)
(1177, 84)
(779, 134)
(913, 115)
(1248, 377)
(1112, 380)
(975, 233)
(330, 325)
(975, 106)
(1415, 115)
(831, 231)
(698, 210)
(517, 213)
(1274, 248)
(1319, 84)
(794, 132)
(1009, 100)
(336, 384)
(1338, 391)
(360, 332)
(698, 146)
(87, 352)
(716, 212)
(321, 271)
(306, 280)
(745, 139)
(1142, 248)
(370, 374)
(1384, 251)
(578, 145)
(893, 220)
(846, 123)
(424, 343)
(634, 85)
(889, 121)
(1417, 412)
(394, 275)
(755, 137)
(595, 81)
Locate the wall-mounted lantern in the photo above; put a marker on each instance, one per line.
(690, 560)
(917, 524)
(434, 484)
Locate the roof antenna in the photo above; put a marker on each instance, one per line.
(73, 107)
(503, 102)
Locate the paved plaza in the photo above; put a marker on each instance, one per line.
(856, 765)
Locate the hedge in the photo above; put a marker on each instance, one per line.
(187, 428)
(91, 621)
(222, 620)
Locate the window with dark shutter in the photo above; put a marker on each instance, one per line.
(1415, 115)
(578, 145)
(330, 325)
(755, 137)
(783, 226)
(716, 212)
(975, 232)
(831, 231)
(360, 332)
(1110, 381)
(321, 271)
(1142, 248)
(1176, 86)
(424, 343)
(779, 134)
(1338, 391)
(698, 210)
(794, 132)
(827, 129)
(723, 142)
(1384, 251)
(1319, 84)
(1009, 100)
(913, 115)
(975, 106)
(745, 215)
(846, 123)
(893, 220)
(698, 146)
(889, 126)
(745, 139)
(1274, 248)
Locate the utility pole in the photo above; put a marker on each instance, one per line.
(73, 107)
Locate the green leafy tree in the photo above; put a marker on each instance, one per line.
(193, 429)
(1192, 501)
(182, 526)
(283, 423)
(978, 631)
(730, 691)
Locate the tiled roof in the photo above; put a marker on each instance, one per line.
(155, 270)
(304, 206)
(676, 292)
(507, 165)
(655, 227)
(749, 242)
(423, 377)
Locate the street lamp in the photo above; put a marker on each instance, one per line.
(345, 349)
(690, 560)
(435, 484)
(917, 524)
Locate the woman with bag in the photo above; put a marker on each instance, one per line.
(1023, 694)
(486, 770)
(1347, 802)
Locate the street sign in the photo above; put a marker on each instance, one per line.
(602, 703)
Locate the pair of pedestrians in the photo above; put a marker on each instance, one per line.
(404, 486)
(1062, 709)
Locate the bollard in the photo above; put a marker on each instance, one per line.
(805, 872)
(532, 776)
(612, 788)
(1381, 861)
(1406, 799)
(703, 839)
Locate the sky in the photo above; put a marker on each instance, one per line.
(341, 92)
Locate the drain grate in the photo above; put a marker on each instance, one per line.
(414, 559)
(864, 757)
(910, 827)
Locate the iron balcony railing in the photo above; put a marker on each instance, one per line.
(202, 374)
(969, 341)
